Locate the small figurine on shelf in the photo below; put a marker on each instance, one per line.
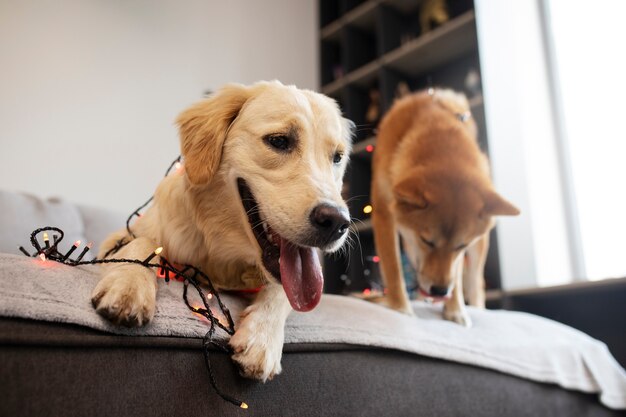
(402, 89)
(372, 115)
(338, 71)
(406, 37)
(433, 13)
(472, 85)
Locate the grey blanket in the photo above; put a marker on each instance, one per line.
(515, 343)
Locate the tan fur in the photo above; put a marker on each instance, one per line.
(431, 182)
(198, 218)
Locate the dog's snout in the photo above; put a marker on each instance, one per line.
(330, 222)
(438, 291)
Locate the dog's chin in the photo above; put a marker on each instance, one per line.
(296, 267)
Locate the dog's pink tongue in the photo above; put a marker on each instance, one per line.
(301, 275)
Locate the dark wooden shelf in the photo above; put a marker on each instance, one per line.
(443, 44)
(362, 17)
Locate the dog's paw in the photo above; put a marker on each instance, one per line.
(458, 316)
(126, 295)
(403, 307)
(257, 347)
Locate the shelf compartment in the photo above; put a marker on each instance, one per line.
(361, 50)
(362, 17)
(439, 46)
(333, 69)
(364, 77)
(425, 53)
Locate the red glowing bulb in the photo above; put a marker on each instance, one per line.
(376, 259)
(369, 148)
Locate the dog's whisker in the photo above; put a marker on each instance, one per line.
(253, 210)
(358, 242)
(354, 197)
(353, 220)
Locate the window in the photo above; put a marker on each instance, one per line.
(589, 66)
(555, 95)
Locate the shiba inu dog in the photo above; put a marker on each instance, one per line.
(431, 183)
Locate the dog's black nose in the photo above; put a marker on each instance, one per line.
(438, 291)
(330, 222)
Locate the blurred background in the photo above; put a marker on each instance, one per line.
(89, 91)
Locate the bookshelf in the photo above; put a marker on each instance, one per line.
(378, 44)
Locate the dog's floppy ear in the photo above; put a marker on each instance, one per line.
(411, 190)
(204, 127)
(496, 205)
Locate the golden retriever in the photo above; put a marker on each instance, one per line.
(259, 192)
(431, 183)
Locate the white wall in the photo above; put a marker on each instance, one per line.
(89, 89)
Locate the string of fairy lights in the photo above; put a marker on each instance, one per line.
(188, 274)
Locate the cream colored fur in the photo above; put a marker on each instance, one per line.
(198, 218)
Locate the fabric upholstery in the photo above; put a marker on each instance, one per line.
(56, 369)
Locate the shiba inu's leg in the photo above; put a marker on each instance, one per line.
(473, 273)
(388, 248)
(126, 293)
(454, 308)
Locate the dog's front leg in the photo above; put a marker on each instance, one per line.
(126, 293)
(474, 273)
(258, 341)
(388, 248)
(454, 308)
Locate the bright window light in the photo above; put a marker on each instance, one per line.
(591, 71)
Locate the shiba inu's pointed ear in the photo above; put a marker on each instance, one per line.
(204, 127)
(410, 190)
(496, 205)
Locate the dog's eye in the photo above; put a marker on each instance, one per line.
(428, 242)
(279, 142)
(337, 157)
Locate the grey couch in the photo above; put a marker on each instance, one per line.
(60, 369)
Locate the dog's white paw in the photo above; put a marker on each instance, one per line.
(459, 316)
(404, 308)
(126, 295)
(257, 346)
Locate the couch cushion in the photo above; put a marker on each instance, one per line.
(515, 343)
(20, 214)
(65, 370)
